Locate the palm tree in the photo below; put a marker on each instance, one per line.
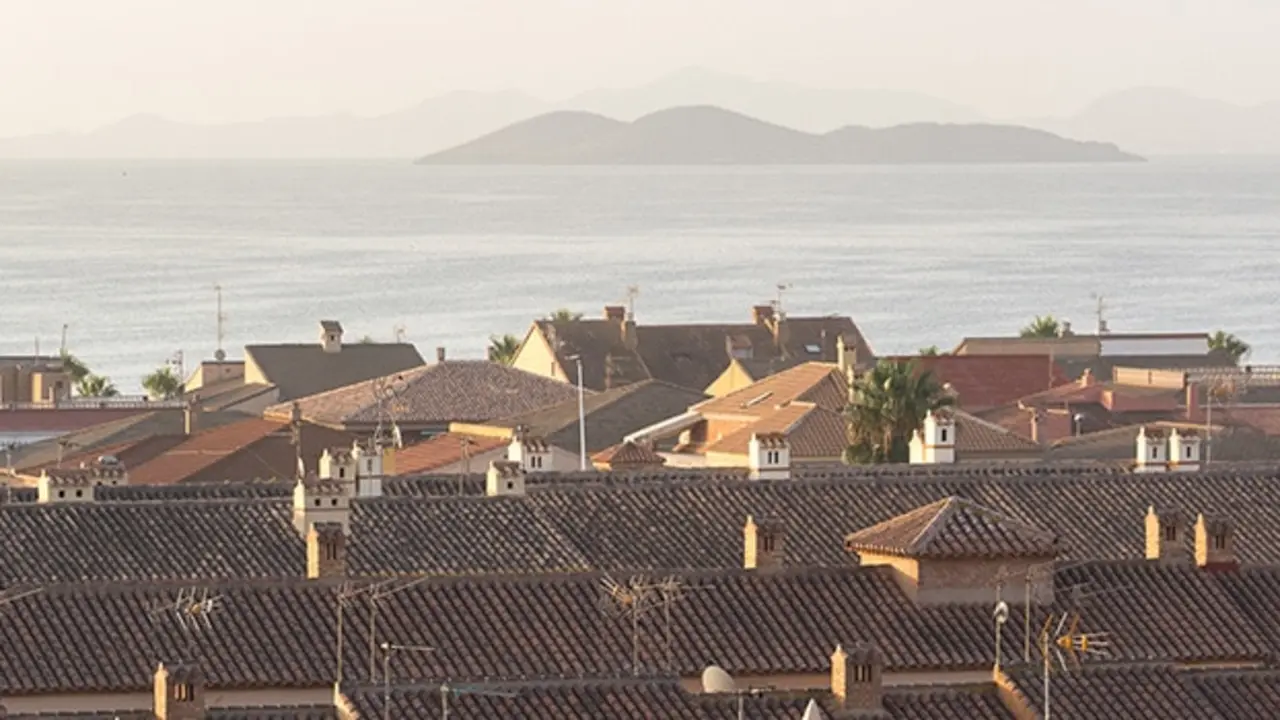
(1233, 346)
(367, 340)
(889, 404)
(564, 315)
(96, 386)
(163, 384)
(503, 348)
(1042, 327)
(74, 367)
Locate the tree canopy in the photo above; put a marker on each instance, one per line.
(162, 384)
(564, 315)
(96, 386)
(889, 404)
(1042, 327)
(503, 348)
(1233, 346)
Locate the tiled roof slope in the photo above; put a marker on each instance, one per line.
(136, 541)
(131, 453)
(647, 699)
(113, 434)
(611, 415)
(444, 450)
(273, 634)
(954, 528)
(301, 370)
(987, 381)
(238, 452)
(435, 395)
(690, 356)
(648, 520)
(1142, 691)
(260, 713)
(815, 382)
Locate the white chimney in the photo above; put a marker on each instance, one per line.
(769, 457)
(1184, 451)
(331, 336)
(504, 478)
(935, 442)
(1152, 452)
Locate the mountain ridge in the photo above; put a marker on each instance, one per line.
(707, 135)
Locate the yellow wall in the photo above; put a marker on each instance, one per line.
(537, 357)
(733, 378)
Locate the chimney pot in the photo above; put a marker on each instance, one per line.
(762, 314)
(764, 544)
(1215, 544)
(326, 551)
(856, 679)
(440, 354)
(1165, 540)
(179, 693)
(616, 313)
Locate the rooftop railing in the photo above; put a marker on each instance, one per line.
(119, 402)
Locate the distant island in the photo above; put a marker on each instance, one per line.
(704, 135)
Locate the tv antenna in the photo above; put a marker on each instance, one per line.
(220, 354)
(398, 332)
(447, 691)
(387, 649)
(638, 597)
(781, 288)
(1099, 313)
(193, 609)
(633, 291)
(9, 447)
(387, 391)
(62, 349)
(376, 594)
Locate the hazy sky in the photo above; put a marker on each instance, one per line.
(76, 64)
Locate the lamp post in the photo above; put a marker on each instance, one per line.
(582, 418)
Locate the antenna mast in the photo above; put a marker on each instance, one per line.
(782, 287)
(632, 292)
(220, 354)
(62, 349)
(1099, 313)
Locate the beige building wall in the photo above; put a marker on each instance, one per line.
(536, 356)
(733, 378)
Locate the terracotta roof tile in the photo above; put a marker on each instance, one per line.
(818, 383)
(444, 450)
(629, 454)
(954, 528)
(61, 420)
(986, 381)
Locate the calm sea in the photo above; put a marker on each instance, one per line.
(127, 253)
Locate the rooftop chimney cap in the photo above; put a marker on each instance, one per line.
(440, 353)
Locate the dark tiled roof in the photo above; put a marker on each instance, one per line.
(629, 454)
(238, 452)
(436, 395)
(611, 415)
(258, 713)
(61, 420)
(133, 541)
(978, 437)
(92, 440)
(986, 381)
(1239, 695)
(954, 528)
(302, 370)
(130, 454)
(270, 634)
(690, 356)
(1142, 691)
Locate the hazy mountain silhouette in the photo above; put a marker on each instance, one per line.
(447, 120)
(1161, 121)
(703, 135)
(792, 105)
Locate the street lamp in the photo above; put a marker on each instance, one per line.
(582, 417)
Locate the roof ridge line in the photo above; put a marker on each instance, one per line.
(935, 525)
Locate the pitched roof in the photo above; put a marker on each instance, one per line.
(241, 451)
(628, 454)
(552, 627)
(62, 420)
(954, 528)
(300, 370)
(434, 395)
(986, 381)
(815, 382)
(611, 415)
(691, 356)
(92, 440)
(812, 432)
(978, 437)
(443, 450)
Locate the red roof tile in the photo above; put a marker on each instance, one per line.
(61, 419)
(985, 381)
(443, 450)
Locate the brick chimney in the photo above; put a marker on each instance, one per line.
(179, 693)
(762, 315)
(764, 544)
(1166, 542)
(440, 354)
(1215, 543)
(1193, 402)
(616, 313)
(855, 680)
(326, 551)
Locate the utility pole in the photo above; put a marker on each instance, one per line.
(220, 354)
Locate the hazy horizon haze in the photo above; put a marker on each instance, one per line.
(76, 65)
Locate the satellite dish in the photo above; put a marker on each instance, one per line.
(716, 680)
(813, 712)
